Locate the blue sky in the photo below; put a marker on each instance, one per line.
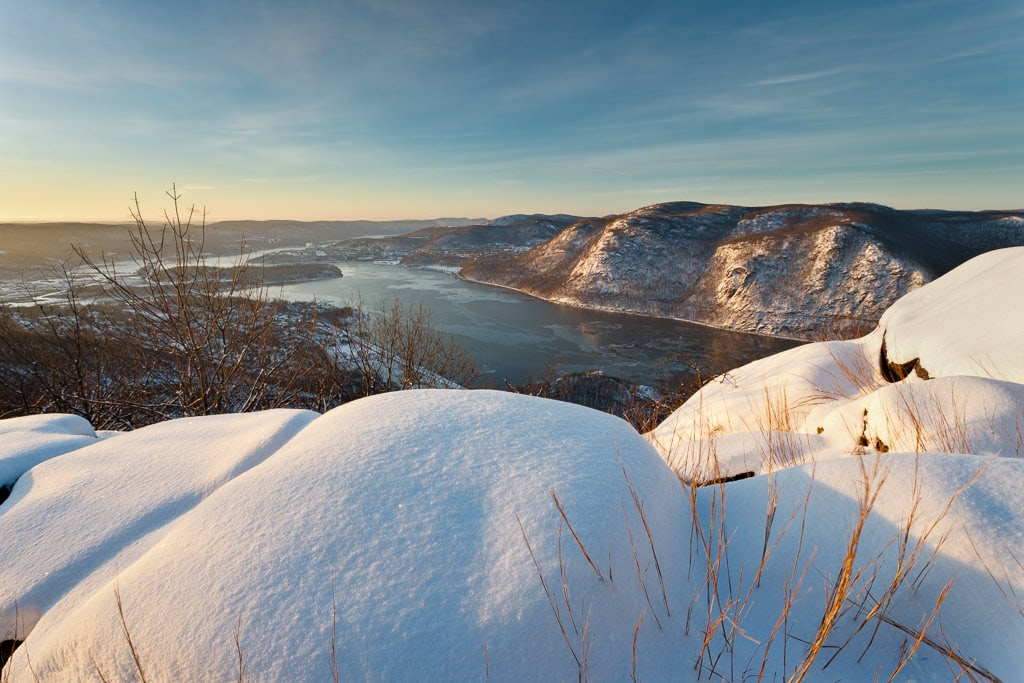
(406, 108)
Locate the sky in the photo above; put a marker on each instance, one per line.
(385, 109)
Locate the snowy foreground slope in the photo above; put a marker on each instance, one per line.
(457, 535)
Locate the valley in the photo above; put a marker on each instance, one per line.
(797, 271)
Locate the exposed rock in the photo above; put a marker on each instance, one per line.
(894, 371)
(7, 648)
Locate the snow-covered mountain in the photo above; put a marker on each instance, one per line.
(857, 522)
(802, 271)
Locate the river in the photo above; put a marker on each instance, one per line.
(518, 338)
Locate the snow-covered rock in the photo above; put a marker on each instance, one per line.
(28, 441)
(969, 322)
(882, 509)
(761, 400)
(73, 522)
(963, 414)
(393, 529)
(832, 399)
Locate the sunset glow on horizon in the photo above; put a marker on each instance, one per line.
(394, 109)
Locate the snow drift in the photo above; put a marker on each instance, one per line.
(962, 391)
(916, 477)
(28, 441)
(406, 533)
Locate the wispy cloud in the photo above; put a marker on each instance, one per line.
(555, 98)
(801, 77)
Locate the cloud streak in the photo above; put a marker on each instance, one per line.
(801, 77)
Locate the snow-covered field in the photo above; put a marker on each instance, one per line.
(473, 535)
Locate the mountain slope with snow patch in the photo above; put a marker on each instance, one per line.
(800, 271)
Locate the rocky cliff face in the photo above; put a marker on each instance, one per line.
(831, 281)
(797, 270)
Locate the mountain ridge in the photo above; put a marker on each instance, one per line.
(793, 270)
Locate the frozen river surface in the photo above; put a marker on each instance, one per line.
(515, 337)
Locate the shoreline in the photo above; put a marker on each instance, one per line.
(605, 309)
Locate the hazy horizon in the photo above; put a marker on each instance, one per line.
(386, 109)
(157, 215)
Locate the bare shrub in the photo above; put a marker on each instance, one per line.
(216, 330)
(60, 356)
(394, 346)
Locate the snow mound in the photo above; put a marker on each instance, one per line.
(967, 415)
(961, 366)
(28, 441)
(760, 406)
(967, 322)
(73, 522)
(885, 512)
(409, 532)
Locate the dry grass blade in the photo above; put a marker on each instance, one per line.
(96, 669)
(638, 504)
(127, 635)
(908, 654)
(579, 542)
(238, 650)
(334, 634)
(936, 426)
(1004, 585)
(848, 577)
(857, 372)
(585, 645)
(550, 596)
(947, 651)
(636, 634)
(563, 575)
(640, 571)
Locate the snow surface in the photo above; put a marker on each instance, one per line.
(28, 441)
(72, 522)
(815, 422)
(976, 544)
(969, 322)
(454, 535)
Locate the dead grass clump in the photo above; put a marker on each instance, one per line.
(854, 372)
(936, 425)
(782, 444)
